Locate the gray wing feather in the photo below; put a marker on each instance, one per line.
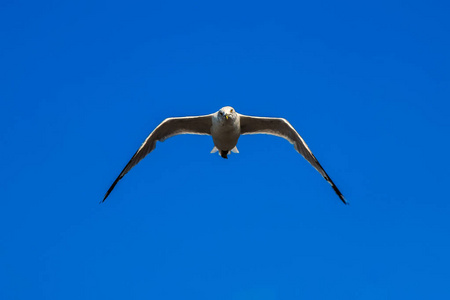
(168, 128)
(282, 128)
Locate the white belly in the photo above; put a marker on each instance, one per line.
(225, 137)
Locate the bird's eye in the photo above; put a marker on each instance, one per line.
(231, 111)
(221, 112)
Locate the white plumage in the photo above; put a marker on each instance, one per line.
(225, 127)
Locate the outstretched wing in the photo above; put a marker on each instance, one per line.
(282, 128)
(168, 128)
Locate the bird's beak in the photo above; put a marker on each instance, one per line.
(226, 116)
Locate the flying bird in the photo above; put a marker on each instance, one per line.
(225, 127)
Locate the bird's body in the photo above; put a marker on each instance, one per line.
(225, 127)
(225, 131)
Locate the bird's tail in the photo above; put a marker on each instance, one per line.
(224, 153)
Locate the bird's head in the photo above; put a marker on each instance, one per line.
(227, 114)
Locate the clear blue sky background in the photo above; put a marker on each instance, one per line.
(366, 84)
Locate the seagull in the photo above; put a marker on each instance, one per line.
(225, 127)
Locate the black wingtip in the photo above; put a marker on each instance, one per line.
(107, 194)
(110, 189)
(343, 200)
(338, 192)
(101, 201)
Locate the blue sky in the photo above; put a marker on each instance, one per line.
(366, 84)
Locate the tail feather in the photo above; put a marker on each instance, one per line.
(214, 150)
(224, 153)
